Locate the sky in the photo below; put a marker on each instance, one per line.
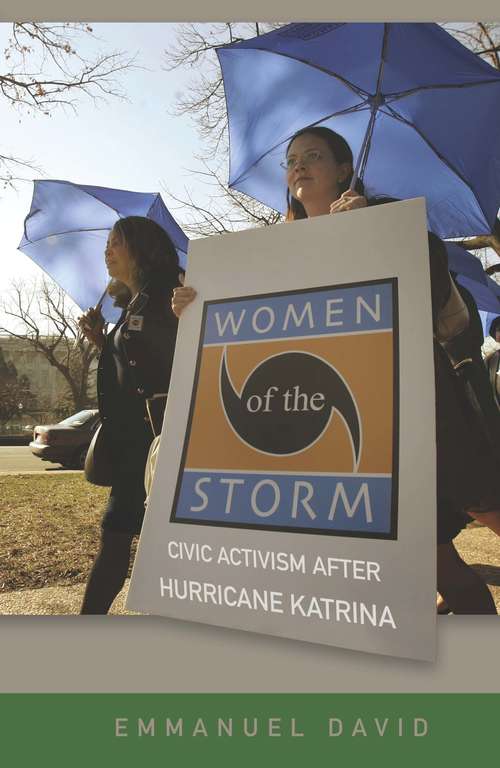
(133, 144)
(136, 144)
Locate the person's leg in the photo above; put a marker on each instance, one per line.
(491, 520)
(108, 573)
(462, 589)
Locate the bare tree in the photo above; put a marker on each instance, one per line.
(482, 38)
(227, 211)
(15, 392)
(485, 242)
(42, 318)
(204, 101)
(43, 70)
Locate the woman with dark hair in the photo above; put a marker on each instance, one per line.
(134, 365)
(331, 156)
(319, 167)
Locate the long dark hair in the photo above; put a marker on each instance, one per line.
(154, 256)
(342, 153)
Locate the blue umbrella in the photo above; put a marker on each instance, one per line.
(420, 111)
(470, 274)
(486, 319)
(487, 297)
(66, 229)
(465, 263)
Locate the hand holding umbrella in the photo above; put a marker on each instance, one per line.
(348, 201)
(92, 325)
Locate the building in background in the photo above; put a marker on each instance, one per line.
(50, 399)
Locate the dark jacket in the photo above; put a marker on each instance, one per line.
(136, 362)
(467, 422)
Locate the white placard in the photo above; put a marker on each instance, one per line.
(294, 492)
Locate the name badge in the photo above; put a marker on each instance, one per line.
(135, 322)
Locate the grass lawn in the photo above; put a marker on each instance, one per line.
(49, 529)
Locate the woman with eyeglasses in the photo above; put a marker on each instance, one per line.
(319, 170)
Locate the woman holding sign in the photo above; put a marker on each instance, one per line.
(319, 168)
(134, 365)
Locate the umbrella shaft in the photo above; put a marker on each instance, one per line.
(99, 303)
(79, 335)
(375, 102)
(364, 148)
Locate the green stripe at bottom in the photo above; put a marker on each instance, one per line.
(248, 729)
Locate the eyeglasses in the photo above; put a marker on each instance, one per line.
(308, 158)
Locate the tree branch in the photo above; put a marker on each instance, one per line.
(72, 360)
(482, 241)
(45, 72)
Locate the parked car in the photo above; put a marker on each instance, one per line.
(67, 442)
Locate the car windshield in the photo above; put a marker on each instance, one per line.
(78, 419)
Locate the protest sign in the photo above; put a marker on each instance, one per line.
(295, 484)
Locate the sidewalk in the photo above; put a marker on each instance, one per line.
(54, 601)
(477, 545)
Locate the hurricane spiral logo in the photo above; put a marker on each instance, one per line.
(287, 402)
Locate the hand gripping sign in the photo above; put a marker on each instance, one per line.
(294, 490)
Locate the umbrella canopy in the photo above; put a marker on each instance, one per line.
(470, 274)
(465, 263)
(487, 297)
(420, 111)
(486, 319)
(66, 230)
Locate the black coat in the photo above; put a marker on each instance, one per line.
(468, 449)
(136, 363)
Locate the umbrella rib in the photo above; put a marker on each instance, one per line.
(152, 204)
(91, 194)
(436, 151)
(27, 218)
(359, 170)
(70, 232)
(363, 105)
(347, 110)
(403, 94)
(159, 197)
(86, 192)
(55, 281)
(107, 205)
(359, 91)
